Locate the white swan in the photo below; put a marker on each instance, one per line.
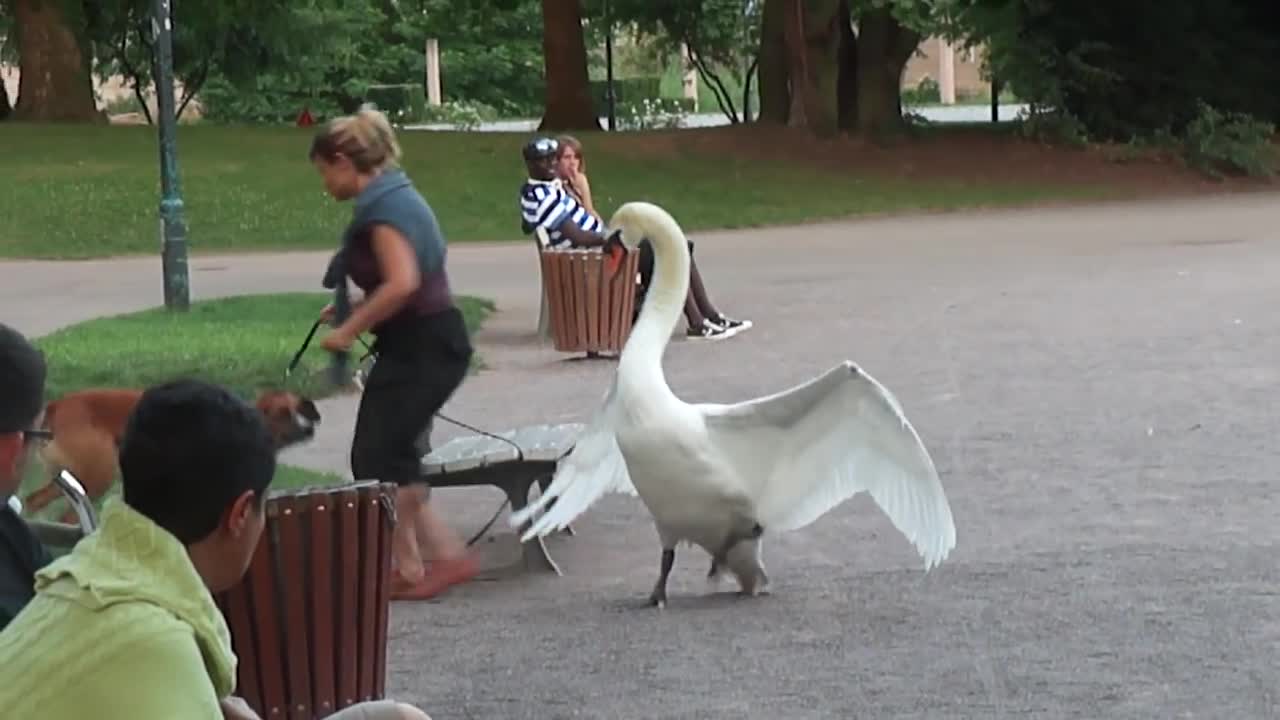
(719, 476)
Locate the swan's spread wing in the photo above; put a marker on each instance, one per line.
(805, 450)
(593, 468)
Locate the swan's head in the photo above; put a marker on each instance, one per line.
(633, 222)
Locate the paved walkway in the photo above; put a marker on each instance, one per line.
(1092, 383)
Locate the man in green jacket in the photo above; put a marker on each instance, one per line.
(125, 625)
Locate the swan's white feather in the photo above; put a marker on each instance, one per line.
(595, 467)
(783, 459)
(805, 450)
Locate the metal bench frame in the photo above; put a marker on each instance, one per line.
(478, 460)
(58, 534)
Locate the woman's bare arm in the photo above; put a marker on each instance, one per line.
(584, 188)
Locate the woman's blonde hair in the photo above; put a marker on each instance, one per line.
(569, 141)
(365, 137)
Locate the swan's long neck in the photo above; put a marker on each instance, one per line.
(641, 359)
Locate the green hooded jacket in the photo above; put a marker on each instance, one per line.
(120, 627)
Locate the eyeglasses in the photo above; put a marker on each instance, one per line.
(29, 435)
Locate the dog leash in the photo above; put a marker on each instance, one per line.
(306, 343)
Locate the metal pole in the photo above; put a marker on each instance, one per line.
(173, 230)
(995, 98)
(608, 67)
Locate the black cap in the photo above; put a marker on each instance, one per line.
(540, 147)
(22, 391)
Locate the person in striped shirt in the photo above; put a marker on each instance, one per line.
(546, 203)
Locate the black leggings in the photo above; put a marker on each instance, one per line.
(645, 266)
(420, 362)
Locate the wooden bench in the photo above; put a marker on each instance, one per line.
(583, 307)
(309, 619)
(513, 464)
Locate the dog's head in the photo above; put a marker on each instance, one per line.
(291, 418)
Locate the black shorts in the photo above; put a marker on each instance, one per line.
(420, 362)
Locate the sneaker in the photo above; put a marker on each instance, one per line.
(729, 323)
(710, 331)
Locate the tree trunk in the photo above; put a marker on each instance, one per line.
(53, 60)
(775, 95)
(797, 72)
(5, 107)
(884, 46)
(813, 44)
(847, 82)
(568, 92)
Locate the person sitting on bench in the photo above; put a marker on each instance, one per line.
(545, 203)
(125, 625)
(21, 397)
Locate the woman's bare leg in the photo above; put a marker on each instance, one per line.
(442, 543)
(421, 530)
(404, 540)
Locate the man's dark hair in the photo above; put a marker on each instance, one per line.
(22, 375)
(189, 450)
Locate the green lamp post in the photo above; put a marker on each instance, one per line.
(173, 230)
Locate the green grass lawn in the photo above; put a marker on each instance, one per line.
(76, 191)
(243, 342)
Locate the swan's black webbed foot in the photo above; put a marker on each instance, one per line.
(659, 596)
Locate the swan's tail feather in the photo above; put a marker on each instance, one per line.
(594, 467)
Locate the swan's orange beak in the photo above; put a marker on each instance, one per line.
(616, 251)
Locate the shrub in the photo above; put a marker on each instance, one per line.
(461, 114)
(1215, 142)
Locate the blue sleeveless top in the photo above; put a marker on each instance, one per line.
(391, 199)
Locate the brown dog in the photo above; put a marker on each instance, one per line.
(87, 427)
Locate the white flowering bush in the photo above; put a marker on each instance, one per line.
(652, 114)
(461, 114)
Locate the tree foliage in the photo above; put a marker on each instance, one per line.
(1125, 70)
(490, 52)
(720, 38)
(234, 39)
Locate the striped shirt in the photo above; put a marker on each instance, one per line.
(546, 204)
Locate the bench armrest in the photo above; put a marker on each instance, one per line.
(78, 499)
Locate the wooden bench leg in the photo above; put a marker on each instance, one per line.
(535, 552)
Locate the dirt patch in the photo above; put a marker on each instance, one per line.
(965, 154)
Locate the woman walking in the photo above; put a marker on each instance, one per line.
(394, 251)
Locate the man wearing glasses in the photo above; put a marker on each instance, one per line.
(22, 368)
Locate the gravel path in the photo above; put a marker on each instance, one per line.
(1091, 382)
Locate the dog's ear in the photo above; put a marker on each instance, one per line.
(308, 410)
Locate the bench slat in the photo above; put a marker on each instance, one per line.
(538, 443)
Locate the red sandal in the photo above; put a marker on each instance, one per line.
(439, 576)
